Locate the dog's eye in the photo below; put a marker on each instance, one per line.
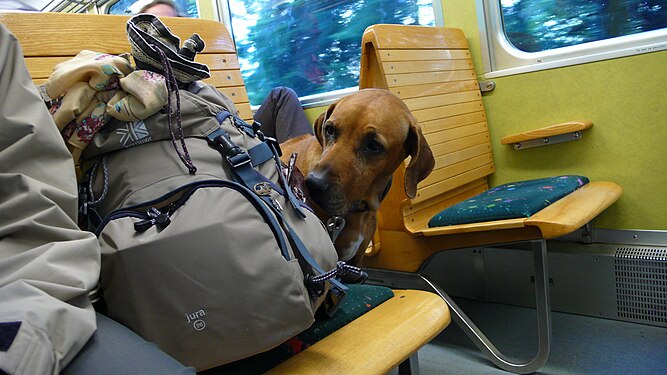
(374, 147)
(329, 130)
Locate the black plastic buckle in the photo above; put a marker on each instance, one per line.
(235, 156)
(222, 143)
(244, 126)
(239, 159)
(332, 302)
(256, 125)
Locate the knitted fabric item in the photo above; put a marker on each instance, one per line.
(509, 201)
(359, 300)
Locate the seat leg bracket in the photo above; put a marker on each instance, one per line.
(410, 366)
(539, 250)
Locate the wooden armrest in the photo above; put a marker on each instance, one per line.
(548, 131)
(576, 209)
(377, 341)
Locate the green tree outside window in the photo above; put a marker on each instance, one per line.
(312, 46)
(540, 25)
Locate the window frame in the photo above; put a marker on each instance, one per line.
(222, 14)
(500, 58)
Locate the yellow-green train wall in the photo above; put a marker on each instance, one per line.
(625, 98)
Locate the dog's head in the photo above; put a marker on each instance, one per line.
(364, 138)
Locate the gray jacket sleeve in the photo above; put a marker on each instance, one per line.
(47, 265)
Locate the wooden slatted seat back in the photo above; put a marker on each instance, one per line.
(50, 38)
(431, 70)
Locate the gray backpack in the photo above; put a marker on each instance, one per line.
(206, 250)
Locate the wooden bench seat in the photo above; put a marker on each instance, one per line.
(379, 340)
(431, 69)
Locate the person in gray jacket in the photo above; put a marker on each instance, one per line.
(47, 265)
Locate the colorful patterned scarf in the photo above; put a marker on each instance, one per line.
(91, 88)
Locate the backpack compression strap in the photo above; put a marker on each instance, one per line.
(240, 161)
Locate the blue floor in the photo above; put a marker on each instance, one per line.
(581, 344)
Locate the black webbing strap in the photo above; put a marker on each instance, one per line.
(337, 286)
(260, 154)
(245, 174)
(296, 204)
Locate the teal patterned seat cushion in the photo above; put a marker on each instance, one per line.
(359, 300)
(509, 201)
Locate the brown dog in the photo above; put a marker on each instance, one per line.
(359, 142)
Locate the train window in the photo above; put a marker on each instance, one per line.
(527, 35)
(188, 8)
(312, 46)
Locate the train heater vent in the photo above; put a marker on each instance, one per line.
(641, 284)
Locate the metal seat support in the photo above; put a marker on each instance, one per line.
(410, 366)
(542, 300)
(418, 280)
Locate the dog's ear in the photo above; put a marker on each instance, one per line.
(421, 162)
(320, 122)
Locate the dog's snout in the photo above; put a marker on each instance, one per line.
(317, 183)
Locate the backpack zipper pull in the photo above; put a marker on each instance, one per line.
(163, 220)
(155, 217)
(143, 225)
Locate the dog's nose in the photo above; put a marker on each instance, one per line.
(317, 183)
